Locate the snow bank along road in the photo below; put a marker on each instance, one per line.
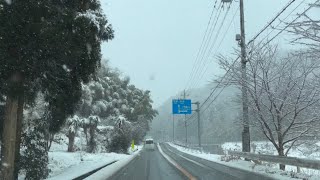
(166, 163)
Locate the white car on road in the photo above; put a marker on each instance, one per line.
(149, 144)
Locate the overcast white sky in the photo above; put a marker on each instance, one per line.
(156, 41)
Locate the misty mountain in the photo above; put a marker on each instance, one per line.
(220, 117)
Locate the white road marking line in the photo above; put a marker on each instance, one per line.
(199, 164)
(186, 173)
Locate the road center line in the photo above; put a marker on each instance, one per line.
(175, 164)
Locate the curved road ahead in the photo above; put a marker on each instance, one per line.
(152, 165)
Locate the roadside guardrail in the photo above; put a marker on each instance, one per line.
(209, 148)
(292, 161)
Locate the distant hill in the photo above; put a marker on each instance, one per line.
(220, 122)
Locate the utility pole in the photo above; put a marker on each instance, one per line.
(245, 117)
(199, 127)
(185, 119)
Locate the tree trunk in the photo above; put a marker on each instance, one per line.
(85, 130)
(92, 143)
(281, 153)
(280, 140)
(51, 137)
(71, 137)
(9, 138)
(18, 135)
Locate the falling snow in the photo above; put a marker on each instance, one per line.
(5, 164)
(66, 68)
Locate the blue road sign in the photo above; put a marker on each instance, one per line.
(181, 106)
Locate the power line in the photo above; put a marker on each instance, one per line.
(191, 122)
(216, 87)
(212, 28)
(206, 57)
(275, 18)
(238, 58)
(261, 47)
(214, 98)
(204, 39)
(203, 50)
(203, 60)
(221, 41)
(279, 24)
(255, 37)
(283, 29)
(278, 14)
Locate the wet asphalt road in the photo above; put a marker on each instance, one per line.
(151, 165)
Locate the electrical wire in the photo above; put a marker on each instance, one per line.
(216, 49)
(203, 60)
(288, 25)
(207, 99)
(279, 24)
(193, 120)
(204, 40)
(255, 37)
(275, 18)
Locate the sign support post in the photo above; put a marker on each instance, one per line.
(173, 128)
(181, 106)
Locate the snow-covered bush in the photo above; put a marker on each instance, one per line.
(120, 141)
(122, 136)
(34, 159)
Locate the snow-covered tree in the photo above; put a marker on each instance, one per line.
(73, 124)
(57, 49)
(92, 123)
(306, 29)
(109, 96)
(284, 95)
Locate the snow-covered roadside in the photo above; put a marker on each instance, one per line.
(248, 166)
(308, 149)
(108, 171)
(67, 166)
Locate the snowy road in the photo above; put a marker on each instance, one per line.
(152, 165)
(148, 165)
